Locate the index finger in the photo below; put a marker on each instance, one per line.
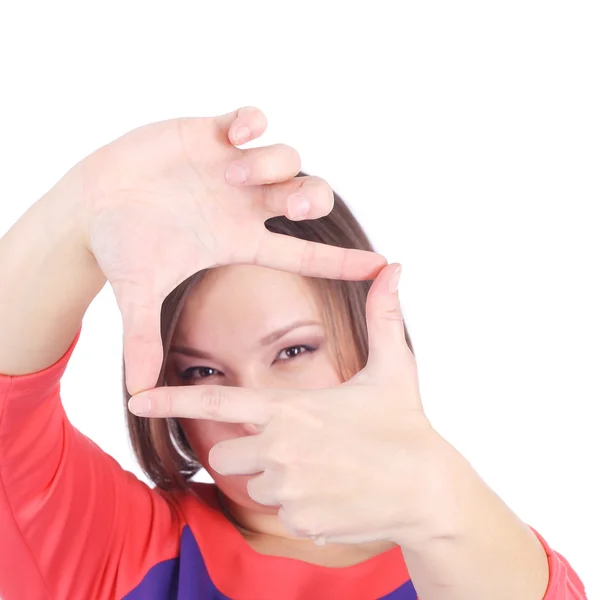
(212, 402)
(313, 259)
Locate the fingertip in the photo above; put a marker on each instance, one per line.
(298, 207)
(381, 262)
(384, 290)
(210, 457)
(239, 135)
(236, 174)
(139, 382)
(394, 280)
(140, 405)
(374, 264)
(386, 269)
(213, 460)
(316, 188)
(250, 123)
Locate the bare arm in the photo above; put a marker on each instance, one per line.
(146, 212)
(48, 278)
(75, 542)
(485, 551)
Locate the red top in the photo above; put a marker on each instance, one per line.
(74, 525)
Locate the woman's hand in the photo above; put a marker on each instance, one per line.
(171, 198)
(352, 463)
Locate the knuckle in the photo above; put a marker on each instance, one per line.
(275, 451)
(307, 257)
(303, 414)
(212, 400)
(272, 202)
(280, 452)
(279, 406)
(169, 403)
(290, 487)
(393, 314)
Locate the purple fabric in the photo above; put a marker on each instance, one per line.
(183, 578)
(186, 578)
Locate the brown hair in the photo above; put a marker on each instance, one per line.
(160, 445)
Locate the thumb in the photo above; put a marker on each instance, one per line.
(385, 323)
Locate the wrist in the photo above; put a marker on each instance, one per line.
(447, 485)
(64, 209)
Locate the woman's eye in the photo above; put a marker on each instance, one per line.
(294, 351)
(203, 372)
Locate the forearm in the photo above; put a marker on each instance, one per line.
(485, 550)
(47, 280)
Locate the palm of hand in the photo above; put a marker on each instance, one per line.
(158, 209)
(166, 210)
(161, 212)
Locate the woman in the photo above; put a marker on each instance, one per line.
(288, 390)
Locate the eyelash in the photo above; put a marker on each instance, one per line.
(306, 350)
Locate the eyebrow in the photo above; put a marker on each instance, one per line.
(265, 341)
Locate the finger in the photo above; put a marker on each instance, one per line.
(298, 198)
(264, 165)
(263, 489)
(142, 343)
(242, 125)
(212, 402)
(237, 456)
(286, 253)
(385, 323)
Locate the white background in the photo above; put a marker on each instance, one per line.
(466, 137)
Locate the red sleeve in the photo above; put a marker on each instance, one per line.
(73, 523)
(564, 583)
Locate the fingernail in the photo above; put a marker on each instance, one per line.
(250, 429)
(140, 405)
(395, 280)
(298, 206)
(241, 135)
(236, 174)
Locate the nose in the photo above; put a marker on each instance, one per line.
(254, 380)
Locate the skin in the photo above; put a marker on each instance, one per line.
(227, 328)
(169, 199)
(316, 451)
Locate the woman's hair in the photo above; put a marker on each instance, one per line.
(159, 444)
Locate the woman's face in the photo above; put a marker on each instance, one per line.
(249, 327)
